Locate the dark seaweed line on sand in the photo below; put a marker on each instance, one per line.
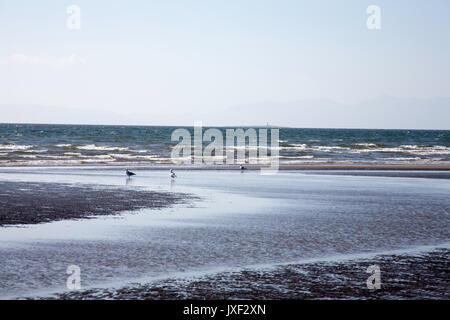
(419, 276)
(31, 202)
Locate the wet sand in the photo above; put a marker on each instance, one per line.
(390, 174)
(31, 202)
(215, 249)
(420, 276)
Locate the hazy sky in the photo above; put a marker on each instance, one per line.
(168, 57)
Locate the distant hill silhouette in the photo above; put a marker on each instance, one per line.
(382, 112)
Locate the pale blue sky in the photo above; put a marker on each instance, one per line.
(197, 57)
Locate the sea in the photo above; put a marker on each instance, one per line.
(65, 145)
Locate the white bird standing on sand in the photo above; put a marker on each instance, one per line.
(129, 173)
(172, 174)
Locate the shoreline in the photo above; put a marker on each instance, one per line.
(335, 166)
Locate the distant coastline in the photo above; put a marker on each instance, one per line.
(383, 112)
(219, 126)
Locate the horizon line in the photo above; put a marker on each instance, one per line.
(216, 126)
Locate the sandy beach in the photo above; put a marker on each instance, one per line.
(208, 233)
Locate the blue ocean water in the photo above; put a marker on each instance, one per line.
(42, 144)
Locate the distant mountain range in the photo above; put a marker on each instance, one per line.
(383, 113)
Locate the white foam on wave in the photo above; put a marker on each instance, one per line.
(28, 156)
(36, 151)
(134, 157)
(94, 147)
(297, 147)
(371, 147)
(365, 144)
(44, 162)
(409, 149)
(401, 158)
(14, 147)
(87, 160)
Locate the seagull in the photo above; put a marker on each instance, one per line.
(129, 173)
(172, 174)
(242, 167)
